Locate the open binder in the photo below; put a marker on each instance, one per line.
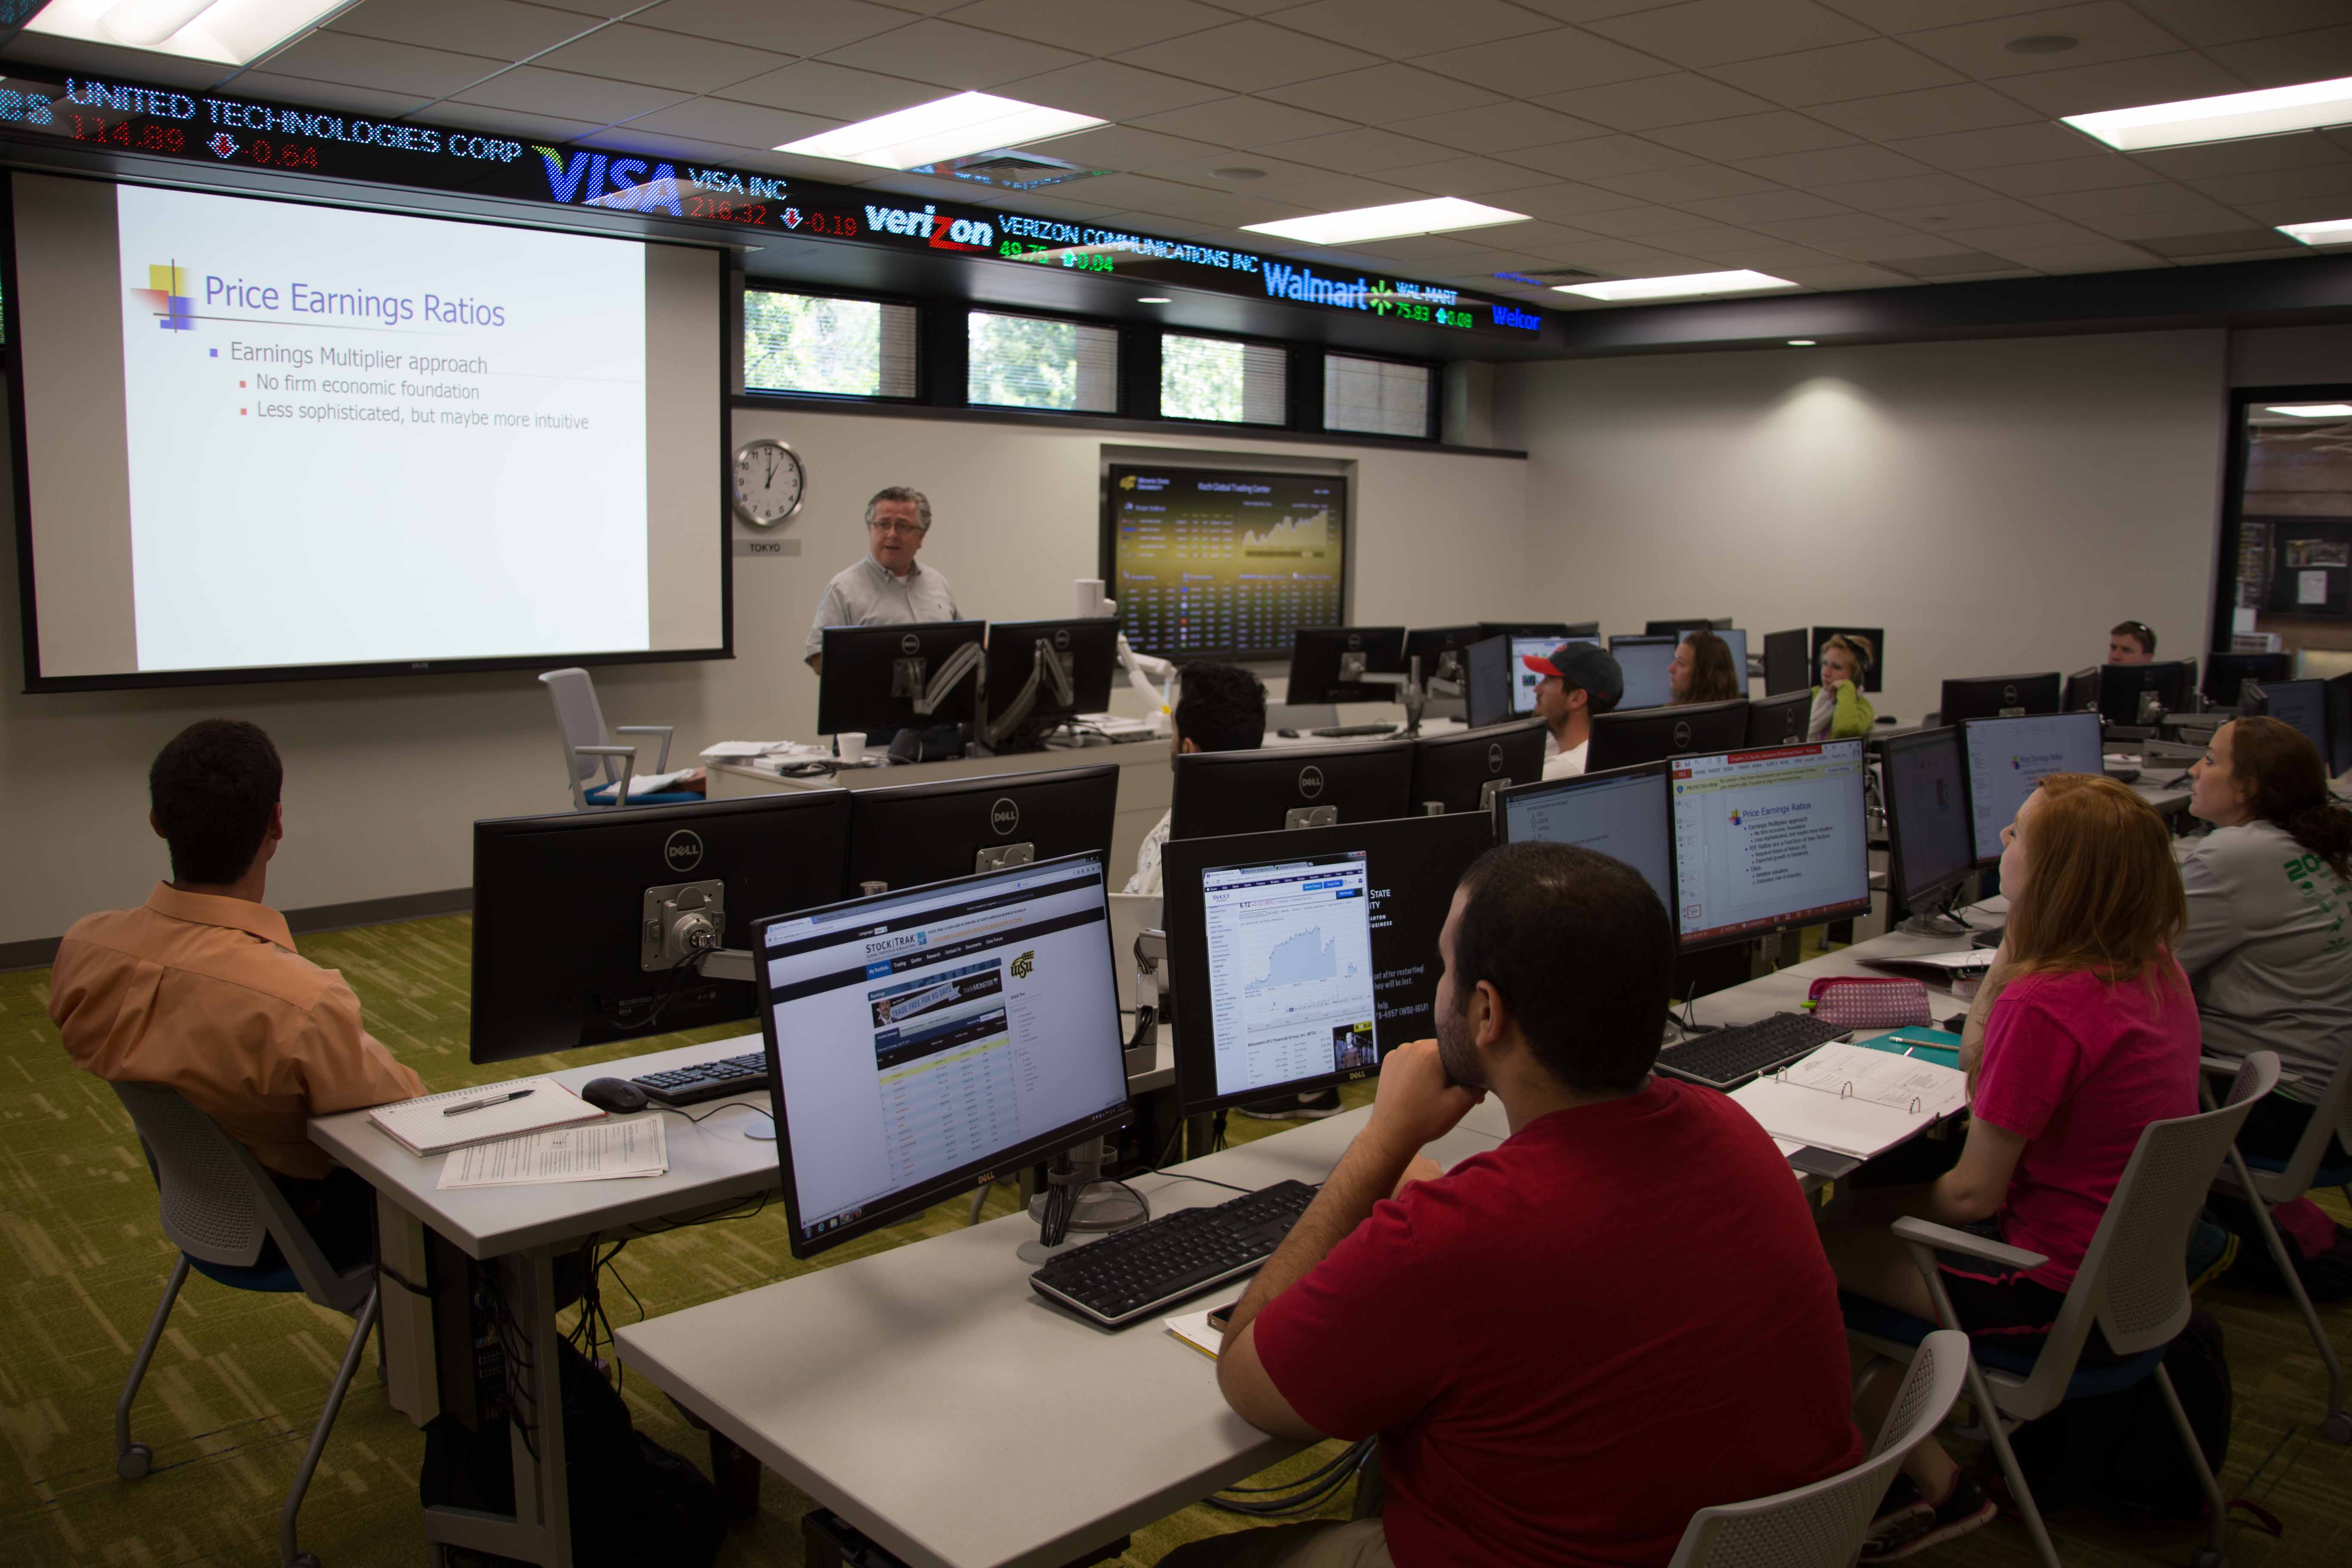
(1853, 1100)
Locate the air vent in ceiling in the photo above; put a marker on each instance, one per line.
(1009, 171)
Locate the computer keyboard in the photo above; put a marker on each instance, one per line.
(1133, 1273)
(1339, 732)
(1730, 1056)
(705, 1080)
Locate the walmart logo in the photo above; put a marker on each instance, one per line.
(167, 294)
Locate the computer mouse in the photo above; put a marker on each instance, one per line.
(1287, 734)
(617, 1095)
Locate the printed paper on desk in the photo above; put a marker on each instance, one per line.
(606, 1152)
(1906, 1083)
(1192, 1328)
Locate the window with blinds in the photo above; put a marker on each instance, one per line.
(1034, 361)
(814, 343)
(1217, 378)
(1377, 396)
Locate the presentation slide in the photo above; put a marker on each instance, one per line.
(1768, 838)
(2008, 757)
(293, 437)
(1213, 563)
(1623, 818)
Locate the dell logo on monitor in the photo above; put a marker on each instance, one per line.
(1682, 736)
(1310, 781)
(683, 850)
(1004, 816)
(1495, 757)
(910, 644)
(2008, 695)
(1355, 641)
(1062, 638)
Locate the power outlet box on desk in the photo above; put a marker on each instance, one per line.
(827, 1540)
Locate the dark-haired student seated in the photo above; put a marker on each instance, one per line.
(1570, 1343)
(1219, 708)
(200, 989)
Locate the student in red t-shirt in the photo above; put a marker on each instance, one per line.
(2090, 1033)
(1568, 1343)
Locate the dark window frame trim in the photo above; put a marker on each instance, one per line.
(2218, 632)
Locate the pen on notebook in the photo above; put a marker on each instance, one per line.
(478, 1104)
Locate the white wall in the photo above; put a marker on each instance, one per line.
(1995, 505)
(385, 777)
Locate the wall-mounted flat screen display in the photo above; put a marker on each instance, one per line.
(1219, 563)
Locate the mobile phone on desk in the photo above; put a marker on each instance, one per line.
(1222, 1316)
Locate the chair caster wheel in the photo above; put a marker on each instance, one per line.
(303, 1560)
(2338, 1428)
(134, 1462)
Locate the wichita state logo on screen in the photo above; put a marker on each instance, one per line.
(167, 293)
(1025, 965)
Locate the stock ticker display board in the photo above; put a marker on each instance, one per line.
(124, 117)
(1212, 563)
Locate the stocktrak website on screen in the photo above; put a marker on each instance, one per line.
(351, 437)
(2008, 757)
(1768, 837)
(1291, 981)
(917, 1035)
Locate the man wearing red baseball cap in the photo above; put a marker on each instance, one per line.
(1579, 679)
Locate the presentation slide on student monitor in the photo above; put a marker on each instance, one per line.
(266, 435)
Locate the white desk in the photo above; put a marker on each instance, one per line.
(883, 1387)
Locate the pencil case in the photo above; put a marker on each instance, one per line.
(1861, 1002)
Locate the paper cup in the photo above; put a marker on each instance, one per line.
(853, 745)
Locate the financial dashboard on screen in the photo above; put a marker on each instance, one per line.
(1217, 564)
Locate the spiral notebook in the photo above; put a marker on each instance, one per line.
(424, 1127)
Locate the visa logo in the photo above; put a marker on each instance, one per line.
(598, 179)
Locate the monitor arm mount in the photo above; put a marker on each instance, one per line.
(1049, 669)
(911, 677)
(681, 925)
(1409, 690)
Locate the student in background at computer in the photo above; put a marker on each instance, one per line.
(886, 587)
(2269, 944)
(200, 988)
(2090, 1034)
(1219, 708)
(1579, 679)
(2130, 642)
(1701, 671)
(1562, 1366)
(1841, 712)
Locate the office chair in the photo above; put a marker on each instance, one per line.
(588, 746)
(1822, 1525)
(218, 1205)
(2274, 1181)
(2134, 1284)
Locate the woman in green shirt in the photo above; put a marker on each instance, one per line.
(1841, 712)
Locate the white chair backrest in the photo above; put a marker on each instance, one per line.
(580, 721)
(1822, 1525)
(2331, 1116)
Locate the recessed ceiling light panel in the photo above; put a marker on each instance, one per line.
(1682, 286)
(1438, 215)
(2272, 112)
(229, 31)
(2313, 410)
(2336, 231)
(945, 128)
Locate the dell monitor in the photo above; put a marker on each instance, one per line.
(918, 1043)
(581, 919)
(1787, 662)
(912, 834)
(2007, 758)
(1490, 681)
(2339, 725)
(1621, 813)
(1643, 660)
(1463, 771)
(881, 679)
(1780, 721)
(1328, 664)
(1930, 845)
(1222, 793)
(1043, 674)
(2225, 672)
(2121, 686)
(1524, 681)
(1768, 841)
(2081, 695)
(1301, 958)
(2000, 696)
(1621, 740)
(1677, 630)
(2301, 703)
(1440, 650)
(1736, 640)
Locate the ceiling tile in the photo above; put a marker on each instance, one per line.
(735, 124)
(1941, 217)
(1962, 151)
(1246, 56)
(1835, 230)
(1564, 201)
(1229, 210)
(1549, 240)
(1429, 247)
(533, 89)
(1275, 177)
(1680, 98)
(1352, 94)
(833, 92)
(2234, 245)
(1090, 27)
(1868, 69)
(963, 57)
(1832, 165)
(648, 55)
(1108, 91)
(653, 145)
(1693, 183)
(1363, 151)
(498, 27)
(1705, 33)
(2001, 238)
(2106, 30)
(2123, 84)
(2215, 159)
(506, 122)
(2208, 217)
(1630, 259)
(1327, 190)
(1480, 177)
(2322, 208)
(1404, 29)
(2314, 56)
(1770, 206)
(1970, 106)
(2034, 179)
(1126, 147)
(2208, 22)
(1909, 15)
(1145, 193)
(1904, 248)
(2093, 208)
(2277, 184)
(1599, 155)
(327, 95)
(1241, 121)
(1634, 223)
(804, 27)
(2087, 258)
(1843, 275)
(1546, 63)
(1752, 135)
(1905, 191)
(386, 67)
(1497, 126)
(1764, 255)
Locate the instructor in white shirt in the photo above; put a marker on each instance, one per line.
(886, 588)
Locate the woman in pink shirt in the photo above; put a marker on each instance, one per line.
(2089, 1032)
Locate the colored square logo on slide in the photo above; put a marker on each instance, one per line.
(1735, 819)
(166, 294)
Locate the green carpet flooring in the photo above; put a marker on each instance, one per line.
(238, 1379)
